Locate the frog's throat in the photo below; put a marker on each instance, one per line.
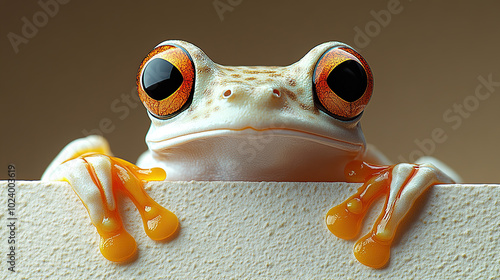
(255, 132)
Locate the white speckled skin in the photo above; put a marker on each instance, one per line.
(268, 128)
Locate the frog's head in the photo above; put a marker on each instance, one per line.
(306, 114)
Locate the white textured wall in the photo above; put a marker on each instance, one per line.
(253, 230)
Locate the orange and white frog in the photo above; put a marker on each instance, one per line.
(212, 122)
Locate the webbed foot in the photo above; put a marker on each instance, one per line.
(96, 178)
(401, 184)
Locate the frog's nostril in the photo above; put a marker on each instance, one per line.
(276, 93)
(227, 93)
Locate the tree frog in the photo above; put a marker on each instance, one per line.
(212, 122)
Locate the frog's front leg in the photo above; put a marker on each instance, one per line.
(402, 184)
(96, 178)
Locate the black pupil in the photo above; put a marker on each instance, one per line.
(161, 79)
(348, 80)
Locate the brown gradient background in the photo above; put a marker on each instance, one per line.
(425, 60)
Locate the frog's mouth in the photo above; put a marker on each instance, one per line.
(252, 154)
(261, 136)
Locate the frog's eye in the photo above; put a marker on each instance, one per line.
(165, 81)
(342, 83)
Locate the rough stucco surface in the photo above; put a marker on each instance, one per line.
(239, 230)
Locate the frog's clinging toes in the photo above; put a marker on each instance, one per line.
(212, 122)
